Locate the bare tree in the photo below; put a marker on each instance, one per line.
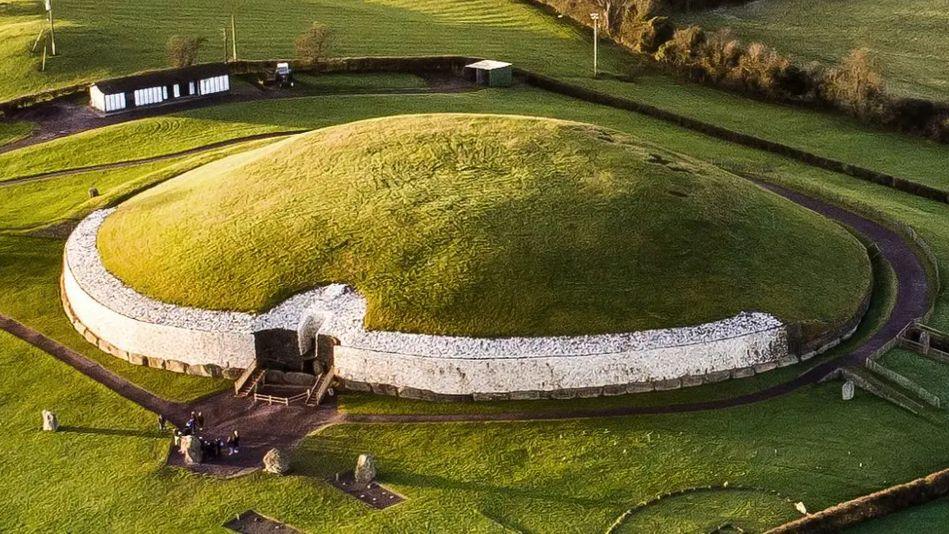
(312, 44)
(183, 51)
(856, 84)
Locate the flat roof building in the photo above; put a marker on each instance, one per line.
(153, 88)
(490, 73)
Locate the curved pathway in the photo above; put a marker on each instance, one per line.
(263, 427)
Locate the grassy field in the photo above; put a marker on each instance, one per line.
(467, 477)
(434, 218)
(108, 38)
(909, 38)
(14, 131)
(564, 476)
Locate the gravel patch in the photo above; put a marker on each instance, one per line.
(341, 310)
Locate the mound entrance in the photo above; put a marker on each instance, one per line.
(486, 226)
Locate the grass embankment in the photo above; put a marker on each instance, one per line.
(908, 37)
(14, 131)
(435, 218)
(930, 517)
(105, 470)
(32, 204)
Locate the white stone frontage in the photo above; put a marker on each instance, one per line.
(392, 362)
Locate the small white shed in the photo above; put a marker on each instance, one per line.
(491, 73)
(154, 88)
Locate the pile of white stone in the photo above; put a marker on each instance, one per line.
(341, 311)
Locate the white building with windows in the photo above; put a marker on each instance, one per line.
(154, 88)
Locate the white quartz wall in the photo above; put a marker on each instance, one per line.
(445, 365)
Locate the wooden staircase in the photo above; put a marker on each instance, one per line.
(248, 380)
(319, 390)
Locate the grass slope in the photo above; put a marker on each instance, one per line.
(909, 37)
(14, 131)
(435, 218)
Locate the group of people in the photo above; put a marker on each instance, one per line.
(210, 448)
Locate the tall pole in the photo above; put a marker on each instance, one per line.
(224, 34)
(52, 34)
(233, 39)
(596, 38)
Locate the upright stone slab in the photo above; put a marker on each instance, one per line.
(365, 471)
(191, 450)
(50, 423)
(277, 462)
(846, 392)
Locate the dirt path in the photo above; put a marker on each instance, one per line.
(264, 426)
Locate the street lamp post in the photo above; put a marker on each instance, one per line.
(596, 28)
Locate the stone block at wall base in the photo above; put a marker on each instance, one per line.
(614, 390)
(154, 363)
(787, 360)
(417, 394)
(91, 338)
(665, 385)
(137, 359)
(384, 389)
(206, 370)
(232, 373)
(481, 397)
(563, 394)
(692, 380)
(176, 366)
(589, 393)
(527, 395)
(357, 387)
(765, 367)
(744, 372)
(719, 376)
(640, 387)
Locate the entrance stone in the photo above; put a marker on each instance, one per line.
(50, 423)
(365, 471)
(191, 450)
(846, 392)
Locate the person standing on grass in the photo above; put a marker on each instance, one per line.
(161, 423)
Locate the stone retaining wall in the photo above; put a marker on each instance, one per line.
(141, 330)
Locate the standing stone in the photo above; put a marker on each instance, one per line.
(190, 447)
(846, 392)
(924, 342)
(277, 462)
(50, 423)
(93, 192)
(365, 471)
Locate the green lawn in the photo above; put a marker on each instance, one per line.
(37, 203)
(566, 475)
(930, 517)
(14, 131)
(435, 218)
(908, 37)
(105, 469)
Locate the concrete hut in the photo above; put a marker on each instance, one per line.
(154, 88)
(490, 73)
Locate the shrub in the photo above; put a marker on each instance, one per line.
(681, 51)
(182, 50)
(312, 44)
(856, 85)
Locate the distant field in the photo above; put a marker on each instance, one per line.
(910, 37)
(110, 37)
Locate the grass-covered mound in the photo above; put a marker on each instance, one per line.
(485, 225)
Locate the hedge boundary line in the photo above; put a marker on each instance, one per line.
(872, 506)
(453, 64)
(597, 97)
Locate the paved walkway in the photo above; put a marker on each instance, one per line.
(262, 426)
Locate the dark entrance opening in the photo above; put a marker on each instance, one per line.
(279, 348)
